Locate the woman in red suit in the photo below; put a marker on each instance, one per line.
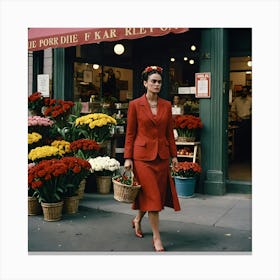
(149, 145)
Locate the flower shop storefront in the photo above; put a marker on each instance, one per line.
(213, 111)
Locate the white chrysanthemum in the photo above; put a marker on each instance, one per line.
(104, 163)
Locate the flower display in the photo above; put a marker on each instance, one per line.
(104, 166)
(187, 125)
(62, 145)
(36, 103)
(85, 148)
(58, 110)
(186, 169)
(43, 152)
(56, 178)
(97, 125)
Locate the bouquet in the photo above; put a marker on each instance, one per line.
(85, 148)
(187, 125)
(186, 169)
(43, 152)
(36, 103)
(54, 179)
(58, 110)
(97, 126)
(104, 166)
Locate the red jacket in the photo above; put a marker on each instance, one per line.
(147, 135)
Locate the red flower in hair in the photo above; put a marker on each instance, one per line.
(151, 68)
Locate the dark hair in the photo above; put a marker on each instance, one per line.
(151, 70)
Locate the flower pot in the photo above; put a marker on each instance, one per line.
(71, 204)
(185, 186)
(81, 189)
(103, 184)
(52, 211)
(34, 207)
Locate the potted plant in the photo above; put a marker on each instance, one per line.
(185, 175)
(36, 103)
(104, 169)
(54, 179)
(34, 207)
(57, 149)
(187, 127)
(97, 126)
(84, 148)
(78, 170)
(58, 110)
(43, 153)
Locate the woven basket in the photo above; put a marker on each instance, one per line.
(104, 184)
(52, 211)
(71, 204)
(125, 193)
(34, 207)
(81, 189)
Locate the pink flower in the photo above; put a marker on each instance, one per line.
(40, 121)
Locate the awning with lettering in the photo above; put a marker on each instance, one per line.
(43, 38)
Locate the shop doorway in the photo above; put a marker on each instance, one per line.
(240, 120)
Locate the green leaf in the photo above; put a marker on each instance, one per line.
(57, 196)
(60, 190)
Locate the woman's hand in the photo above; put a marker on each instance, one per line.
(128, 164)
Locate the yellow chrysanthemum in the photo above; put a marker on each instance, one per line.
(96, 119)
(62, 145)
(34, 137)
(43, 152)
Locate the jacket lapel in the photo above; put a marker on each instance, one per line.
(160, 110)
(146, 109)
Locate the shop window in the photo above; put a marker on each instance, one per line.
(102, 83)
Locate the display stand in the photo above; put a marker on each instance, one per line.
(194, 154)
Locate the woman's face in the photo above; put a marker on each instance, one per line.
(153, 84)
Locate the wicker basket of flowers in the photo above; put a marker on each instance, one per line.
(126, 187)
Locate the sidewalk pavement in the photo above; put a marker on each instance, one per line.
(220, 224)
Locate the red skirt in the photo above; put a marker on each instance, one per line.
(158, 189)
